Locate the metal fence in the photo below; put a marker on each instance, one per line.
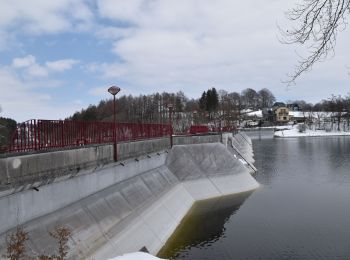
(35, 135)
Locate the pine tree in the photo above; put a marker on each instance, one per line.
(203, 102)
(209, 101)
(214, 99)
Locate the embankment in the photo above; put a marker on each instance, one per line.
(113, 208)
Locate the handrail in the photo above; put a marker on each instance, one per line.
(34, 135)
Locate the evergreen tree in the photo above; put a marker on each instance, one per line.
(208, 100)
(203, 101)
(214, 99)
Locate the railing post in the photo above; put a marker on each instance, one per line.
(170, 106)
(35, 136)
(62, 135)
(38, 132)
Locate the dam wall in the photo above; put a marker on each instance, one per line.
(32, 170)
(23, 172)
(125, 206)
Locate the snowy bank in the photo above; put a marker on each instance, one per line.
(279, 127)
(294, 132)
(136, 256)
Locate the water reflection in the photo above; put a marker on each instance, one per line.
(203, 225)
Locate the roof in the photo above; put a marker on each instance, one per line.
(279, 104)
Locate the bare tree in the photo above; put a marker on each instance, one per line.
(266, 98)
(250, 98)
(338, 104)
(347, 110)
(318, 23)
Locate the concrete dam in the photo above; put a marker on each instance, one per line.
(111, 207)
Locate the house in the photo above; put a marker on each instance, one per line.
(282, 115)
(277, 105)
(279, 113)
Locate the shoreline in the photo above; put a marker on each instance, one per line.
(295, 133)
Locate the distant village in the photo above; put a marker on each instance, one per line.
(279, 114)
(291, 114)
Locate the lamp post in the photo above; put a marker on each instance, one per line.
(170, 106)
(114, 90)
(195, 117)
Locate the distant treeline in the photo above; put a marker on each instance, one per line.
(154, 107)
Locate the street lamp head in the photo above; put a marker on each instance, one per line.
(114, 90)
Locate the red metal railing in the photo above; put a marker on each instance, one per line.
(34, 135)
(199, 129)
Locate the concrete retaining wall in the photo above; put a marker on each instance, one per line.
(134, 149)
(123, 207)
(196, 139)
(22, 172)
(34, 170)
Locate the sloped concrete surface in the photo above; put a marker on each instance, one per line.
(30, 204)
(124, 208)
(202, 160)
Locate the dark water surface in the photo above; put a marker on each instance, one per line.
(301, 210)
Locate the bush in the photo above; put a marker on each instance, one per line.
(16, 245)
(302, 128)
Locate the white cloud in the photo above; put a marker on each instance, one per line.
(42, 16)
(120, 9)
(30, 66)
(33, 69)
(22, 102)
(24, 62)
(36, 70)
(61, 65)
(192, 45)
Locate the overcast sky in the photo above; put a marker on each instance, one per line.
(57, 57)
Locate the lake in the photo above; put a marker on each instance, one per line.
(301, 210)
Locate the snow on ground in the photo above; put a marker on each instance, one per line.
(257, 113)
(283, 127)
(315, 114)
(272, 127)
(294, 132)
(136, 256)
